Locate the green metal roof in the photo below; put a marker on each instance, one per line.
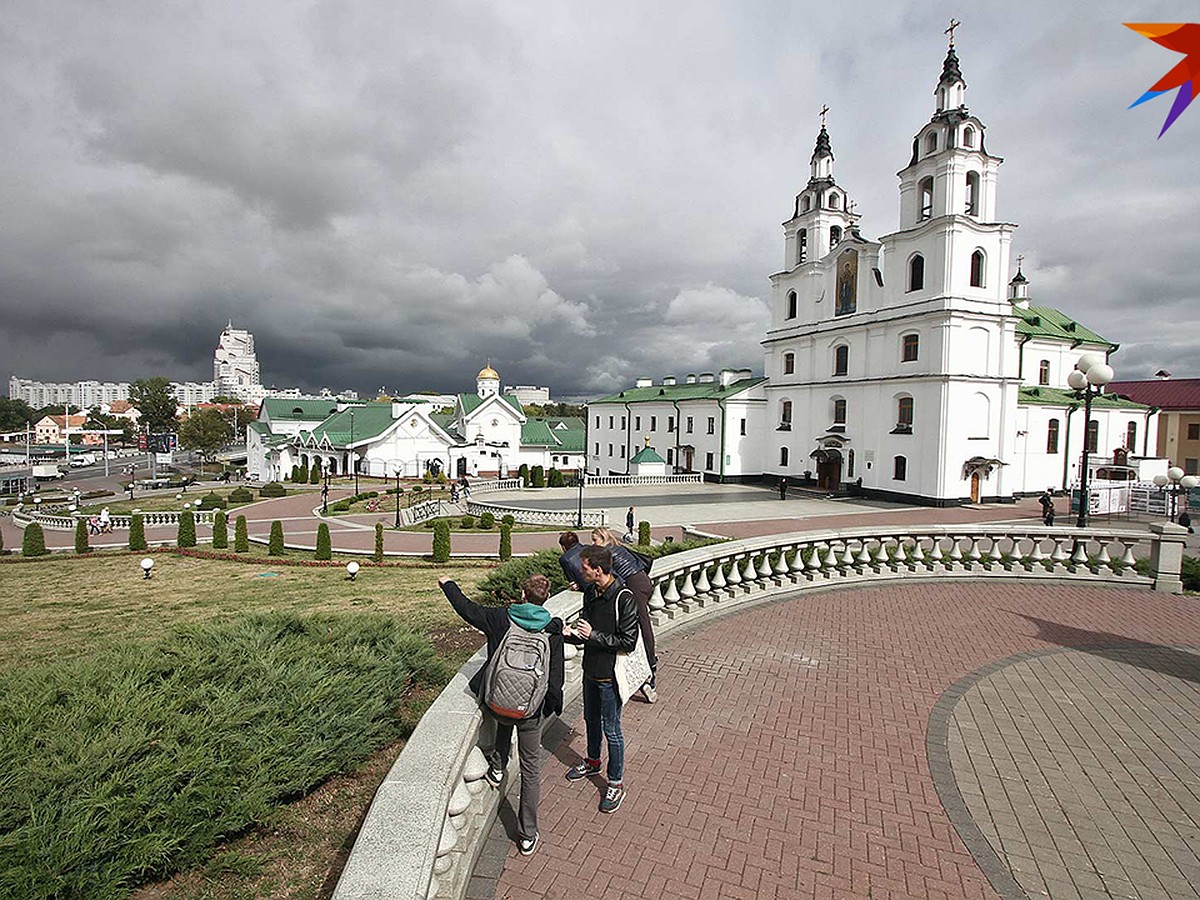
(647, 455)
(659, 392)
(259, 427)
(370, 420)
(471, 402)
(556, 432)
(1048, 396)
(282, 409)
(445, 421)
(1047, 322)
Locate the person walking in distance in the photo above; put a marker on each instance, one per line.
(783, 486)
(511, 635)
(607, 626)
(1047, 503)
(630, 568)
(630, 521)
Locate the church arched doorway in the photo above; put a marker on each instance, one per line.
(975, 482)
(461, 469)
(829, 469)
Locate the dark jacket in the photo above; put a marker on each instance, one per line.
(613, 617)
(494, 622)
(625, 564)
(572, 567)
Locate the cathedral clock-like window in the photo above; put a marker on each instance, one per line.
(916, 273)
(977, 264)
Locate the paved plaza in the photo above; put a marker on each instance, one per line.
(915, 740)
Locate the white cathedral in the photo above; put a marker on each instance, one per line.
(909, 366)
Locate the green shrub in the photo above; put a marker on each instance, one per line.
(324, 548)
(220, 531)
(186, 536)
(272, 489)
(81, 536)
(523, 474)
(441, 541)
(341, 506)
(371, 495)
(241, 536)
(427, 478)
(537, 477)
(554, 478)
(505, 542)
(441, 477)
(508, 519)
(378, 554)
(33, 542)
(240, 495)
(503, 583)
(644, 534)
(212, 501)
(275, 544)
(1190, 573)
(137, 532)
(467, 522)
(295, 475)
(487, 521)
(133, 763)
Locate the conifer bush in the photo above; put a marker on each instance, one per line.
(523, 474)
(220, 531)
(378, 554)
(241, 536)
(186, 536)
(537, 477)
(275, 544)
(240, 495)
(441, 541)
(33, 542)
(81, 536)
(554, 478)
(505, 542)
(508, 519)
(137, 532)
(487, 521)
(314, 477)
(324, 549)
(644, 534)
(272, 489)
(467, 522)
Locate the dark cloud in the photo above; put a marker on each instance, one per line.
(386, 194)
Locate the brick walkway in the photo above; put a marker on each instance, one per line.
(793, 752)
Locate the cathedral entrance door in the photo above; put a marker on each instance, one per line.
(462, 467)
(975, 487)
(688, 457)
(829, 471)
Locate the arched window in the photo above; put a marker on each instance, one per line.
(904, 415)
(910, 346)
(841, 359)
(791, 304)
(916, 273)
(972, 204)
(899, 468)
(1052, 436)
(968, 136)
(805, 203)
(785, 415)
(834, 200)
(925, 189)
(1131, 436)
(835, 236)
(789, 363)
(1044, 372)
(783, 456)
(931, 142)
(978, 261)
(839, 411)
(801, 246)
(1093, 436)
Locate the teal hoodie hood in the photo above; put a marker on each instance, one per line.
(529, 616)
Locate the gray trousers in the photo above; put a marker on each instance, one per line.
(529, 751)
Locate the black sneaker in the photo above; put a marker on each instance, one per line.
(528, 845)
(585, 769)
(613, 795)
(494, 776)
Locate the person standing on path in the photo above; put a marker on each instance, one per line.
(783, 486)
(630, 568)
(569, 562)
(630, 521)
(1047, 503)
(531, 615)
(607, 626)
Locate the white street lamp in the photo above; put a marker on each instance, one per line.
(147, 565)
(351, 569)
(1087, 380)
(1175, 481)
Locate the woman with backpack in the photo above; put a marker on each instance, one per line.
(520, 685)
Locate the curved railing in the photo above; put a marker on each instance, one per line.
(499, 484)
(432, 813)
(524, 516)
(610, 480)
(66, 521)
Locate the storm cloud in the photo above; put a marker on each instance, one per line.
(387, 194)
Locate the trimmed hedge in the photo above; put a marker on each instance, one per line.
(241, 495)
(33, 542)
(378, 554)
(241, 536)
(487, 521)
(505, 542)
(275, 544)
(137, 532)
(508, 519)
(441, 541)
(81, 537)
(220, 531)
(272, 489)
(212, 501)
(643, 534)
(187, 529)
(467, 522)
(324, 548)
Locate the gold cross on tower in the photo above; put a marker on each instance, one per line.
(954, 23)
(824, 109)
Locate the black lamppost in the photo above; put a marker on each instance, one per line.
(1087, 380)
(579, 512)
(398, 470)
(325, 492)
(353, 461)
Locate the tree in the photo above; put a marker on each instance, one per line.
(220, 531)
(241, 536)
(15, 415)
(324, 550)
(137, 532)
(523, 474)
(103, 421)
(81, 537)
(441, 541)
(378, 554)
(33, 542)
(155, 400)
(314, 476)
(644, 534)
(186, 536)
(505, 542)
(275, 545)
(206, 431)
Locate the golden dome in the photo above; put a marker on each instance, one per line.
(487, 372)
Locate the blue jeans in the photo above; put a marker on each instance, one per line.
(602, 714)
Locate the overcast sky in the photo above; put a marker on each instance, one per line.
(386, 193)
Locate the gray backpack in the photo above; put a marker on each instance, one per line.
(518, 674)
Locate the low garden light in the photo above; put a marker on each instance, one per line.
(351, 569)
(147, 565)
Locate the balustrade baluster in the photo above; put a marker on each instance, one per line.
(863, 558)
(995, 557)
(935, 554)
(735, 577)
(973, 554)
(1103, 558)
(656, 601)
(1079, 556)
(798, 563)
(847, 559)
(671, 594)
(702, 583)
(688, 591)
(718, 582)
(955, 556)
(1058, 555)
(782, 569)
(830, 563)
(916, 557)
(1127, 561)
(880, 557)
(748, 574)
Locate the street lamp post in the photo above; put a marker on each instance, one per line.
(325, 492)
(1175, 481)
(353, 461)
(579, 511)
(1087, 380)
(398, 472)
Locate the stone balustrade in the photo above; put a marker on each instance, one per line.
(432, 813)
(23, 515)
(613, 480)
(499, 484)
(566, 518)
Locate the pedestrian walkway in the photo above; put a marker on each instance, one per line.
(916, 740)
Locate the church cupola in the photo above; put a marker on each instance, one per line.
(1018, 288)
(821, 163)
(823, 215)
(487, 382)
(951, 89)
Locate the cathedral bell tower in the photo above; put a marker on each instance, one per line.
(822, 215)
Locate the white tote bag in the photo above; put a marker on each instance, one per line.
(631, 670)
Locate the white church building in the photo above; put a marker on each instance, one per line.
(910, 366)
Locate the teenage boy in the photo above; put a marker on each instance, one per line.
(531, 615)
(607, 626)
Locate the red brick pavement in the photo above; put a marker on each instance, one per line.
(786, 756)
